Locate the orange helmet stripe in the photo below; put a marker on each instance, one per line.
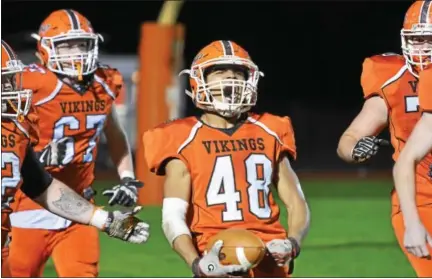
(9, 51)
(73, 18)
(227, 47)
(424, 11)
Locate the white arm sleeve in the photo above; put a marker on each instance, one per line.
(174, 218)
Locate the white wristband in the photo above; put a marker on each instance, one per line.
(127, 173)
(99, 219)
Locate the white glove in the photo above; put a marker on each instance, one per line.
(54, 153)
(283, 250)
(210, 266)
(127, 227)
(417, 240)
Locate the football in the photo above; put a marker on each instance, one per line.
(240, 246)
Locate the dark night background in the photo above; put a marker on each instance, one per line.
(311, 53)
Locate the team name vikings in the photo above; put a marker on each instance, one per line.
(8, 141)
(220, 146)
(83, 106)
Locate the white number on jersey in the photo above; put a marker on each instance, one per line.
(92, 122)
(222, 187)
(10, 181)
(411, 104)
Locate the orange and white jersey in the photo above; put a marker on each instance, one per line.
(425, 90)
(65, 112)
(16, 138)
(388, 76)
(232, 171)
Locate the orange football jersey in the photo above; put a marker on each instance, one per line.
(232, 171)
(16, 138)
(388, 76)
(63, 113)
(425, 90)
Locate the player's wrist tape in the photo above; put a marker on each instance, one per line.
(100, 219)
(127, 173)
(295, 247)
(195, 267)
(174, 218)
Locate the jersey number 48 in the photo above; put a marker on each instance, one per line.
(222, 187)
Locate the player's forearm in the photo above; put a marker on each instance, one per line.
(120, 153)
(417, 147)
(184, 246)
(346, 146)
(63, 201)
(118, 146)
(125, 166)
(298, 220)
(404, 179)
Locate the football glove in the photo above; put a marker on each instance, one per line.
(54, 153)
(209, 265)
(125, 226)
(125, 194)
(367, 147)
(283, 250)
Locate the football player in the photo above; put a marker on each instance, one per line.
(418, 231)
(21, 169)
(74, 96)
(220, 168)
(390, 89)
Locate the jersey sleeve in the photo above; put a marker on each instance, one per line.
(286, 135)
(160, 146)
(113, 78)
(425, 90)
(42, 82)
(376, 71)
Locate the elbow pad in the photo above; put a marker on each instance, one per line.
(174, 218)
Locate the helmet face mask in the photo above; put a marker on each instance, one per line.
(221, 83)
(416, 36)
(15, 101)
(73, 54)
(225, 87)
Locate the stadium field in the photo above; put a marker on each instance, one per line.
(350, 236)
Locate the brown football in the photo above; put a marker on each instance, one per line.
(240, 246)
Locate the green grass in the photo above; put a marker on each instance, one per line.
(350, 236)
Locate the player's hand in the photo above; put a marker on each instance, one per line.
(283, 250)
(54, 153)
(367, 147)
(127, 227)
(210, 266)
(125, 194)
(417, 240)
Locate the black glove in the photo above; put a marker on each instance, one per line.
(54, 153)
(125, 194)
(367, 147)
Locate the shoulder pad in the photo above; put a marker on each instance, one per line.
(283, 128)
(163, 142)
(377, 70)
